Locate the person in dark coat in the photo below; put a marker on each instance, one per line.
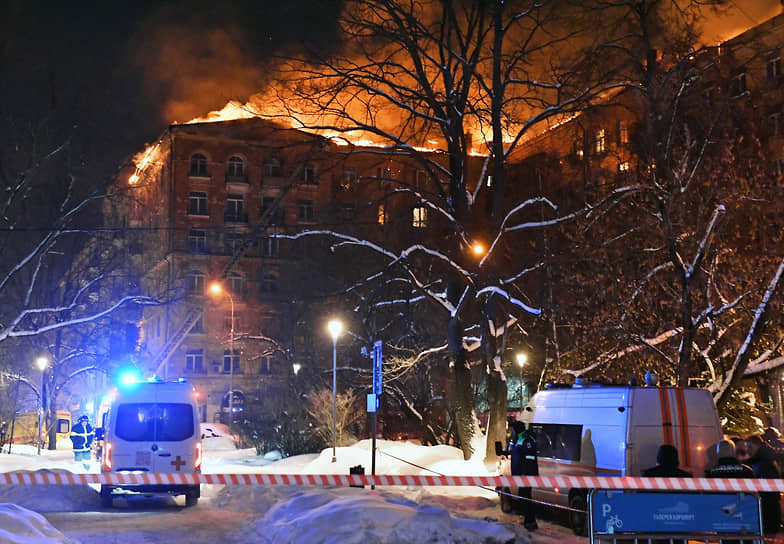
(82, 438)
(762, 460)
(524, 462)
(772, 438)
(667, 459)
(728, 465)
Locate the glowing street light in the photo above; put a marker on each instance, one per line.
(296, 367)
(521, 359)
(335, 327)
(478, 248)
(41, 363)
(217, 289)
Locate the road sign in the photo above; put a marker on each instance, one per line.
(377, 360)
(372, 403)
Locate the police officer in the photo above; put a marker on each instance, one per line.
(82, 438)
(524, 463)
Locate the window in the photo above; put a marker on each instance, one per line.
(309, 175)
(231, 360)
(278, 215)
(600, 141)
(236, 284)
(195, 284)
(623, 167)
(775, 123)
(421, 178)
(349, 176)
(197, 241)
(577, 149)
(738, 84)
(270, 246)
(773, 69)
(233, 242)
(154, 422)
(269, 283)
(266, 365)
(271, 168)
(234, 209)
(198, 327)
(384, 173)
(198, 166)
(347, 212)
(227, 322)
(194, 360)
(382, 214)
(623, 133)
(558, 441)
(236, 167)
(305, 210)
(419, 217)
(197, 203)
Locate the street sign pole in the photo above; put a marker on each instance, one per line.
(373, 402)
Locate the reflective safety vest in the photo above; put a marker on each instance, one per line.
(82, 436)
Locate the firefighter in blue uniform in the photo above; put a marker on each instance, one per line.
(524, 463)
(82, 438)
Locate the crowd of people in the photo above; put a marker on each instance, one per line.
(756, 456)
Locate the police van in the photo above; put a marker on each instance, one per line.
(599, 430)
(152, 427)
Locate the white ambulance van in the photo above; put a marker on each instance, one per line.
(588, 429)
(152, 427)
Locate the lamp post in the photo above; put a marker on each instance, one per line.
(217, 289)
(335, 327)
(42, 363)
(521, 359)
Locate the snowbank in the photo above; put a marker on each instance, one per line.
(51, 498)
(21, 526)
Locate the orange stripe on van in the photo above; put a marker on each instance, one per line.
(666, 421)
(684, 421)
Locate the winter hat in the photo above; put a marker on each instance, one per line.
(725, 448)
(84, 418)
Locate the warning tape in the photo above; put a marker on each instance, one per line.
(749, 485)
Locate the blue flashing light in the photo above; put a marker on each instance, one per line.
(128, 377)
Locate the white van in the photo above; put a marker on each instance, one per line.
(589, 429)
(153, 427)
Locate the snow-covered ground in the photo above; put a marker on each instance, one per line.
(73, 514)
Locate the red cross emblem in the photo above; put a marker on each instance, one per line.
(178, 463)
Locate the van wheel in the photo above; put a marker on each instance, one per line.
(106, 497)
(578, 520)
(192, 497)
(507, 502)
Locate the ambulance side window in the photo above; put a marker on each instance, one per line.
(558, 441)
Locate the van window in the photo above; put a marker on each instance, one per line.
(151, 422)
(558, 441)
(63, 426)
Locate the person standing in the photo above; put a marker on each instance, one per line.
(762, 460)
(82, 438)
(728, 465)
(525, 463)
(667, 459)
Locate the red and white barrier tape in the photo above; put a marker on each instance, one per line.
(588, 482)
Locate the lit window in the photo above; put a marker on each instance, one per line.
(419, 218)
(305, 210)
(773, 69)
(197, 241)
(234, 209)
(236, 168)
(198, 166)
(577, 149)
(623, 133)
(600, 141)
(271, 168)
(194, 360)
(382, 214)
(228, 359)
(623, 167)
(197, 203)
(738, 84)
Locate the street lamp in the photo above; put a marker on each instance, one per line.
(42, 363)
(335, 327)
(217, 289)
(521, 359)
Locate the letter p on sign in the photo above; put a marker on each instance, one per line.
(606, 509)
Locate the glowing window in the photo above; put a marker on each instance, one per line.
(419, 217)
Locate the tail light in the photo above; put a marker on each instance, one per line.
(199, 451)
(107, 456)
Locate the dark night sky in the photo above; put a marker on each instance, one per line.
(122, 71)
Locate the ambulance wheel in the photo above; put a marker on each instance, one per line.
(191, 499)
(507, 502)
(106, 497)
(578, 520)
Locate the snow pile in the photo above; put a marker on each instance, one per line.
(51, 498)
(21, 526)
(348, 515)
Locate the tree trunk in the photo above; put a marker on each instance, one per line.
(460, 388)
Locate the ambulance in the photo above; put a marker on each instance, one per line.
(599, 430)
(153, 427)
